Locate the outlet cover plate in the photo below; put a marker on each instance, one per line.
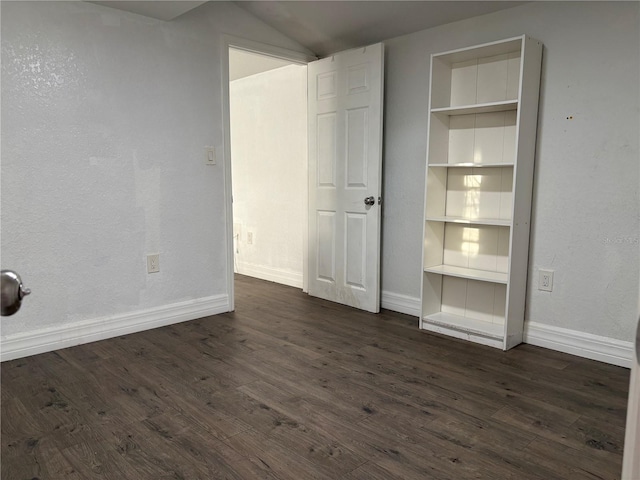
(545, 280)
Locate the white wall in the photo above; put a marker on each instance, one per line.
(585, 206)
(105, 116)
(269, 169)
(243, 63)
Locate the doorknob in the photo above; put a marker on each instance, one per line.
(370, 201)
(11, 292)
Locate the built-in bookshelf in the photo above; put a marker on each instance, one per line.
(483, 107)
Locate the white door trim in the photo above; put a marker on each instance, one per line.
(230, 41)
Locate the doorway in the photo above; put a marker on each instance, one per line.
(268, 147)
(344, 146)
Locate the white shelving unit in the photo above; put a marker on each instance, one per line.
(483, 108)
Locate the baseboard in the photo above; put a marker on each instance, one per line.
(401, 303)
(586, 345)
(68, 335)
(603, 349)
(284, 277)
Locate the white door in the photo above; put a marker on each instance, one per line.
(631, 462)
(345, 169)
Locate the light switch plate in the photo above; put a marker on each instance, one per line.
(210, 158)
(153, 263)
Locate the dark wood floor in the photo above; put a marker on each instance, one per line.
(292, 387)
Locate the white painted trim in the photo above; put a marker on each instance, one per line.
(401, 303)
(269, 50)
(285, 277)
(77, 333)
(595, 347)
(305, 214)
(228, 192)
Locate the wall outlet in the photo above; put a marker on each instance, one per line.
(153, 263)
(545, 280)
(249, 238)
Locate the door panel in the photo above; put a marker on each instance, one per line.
(357, 123)
(326, 241)
(631, 460)
(326, 85)
(326, 151)
(345, 167)
(356, 245)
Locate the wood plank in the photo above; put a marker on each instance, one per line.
(277, 459)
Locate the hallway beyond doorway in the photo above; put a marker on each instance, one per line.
(268, 113)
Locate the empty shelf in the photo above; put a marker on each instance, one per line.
(478, 108)
(470, 273)
(466, 325)
(471, 221)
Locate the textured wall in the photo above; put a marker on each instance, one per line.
(269, 158)
(105, 116)
(585, 206)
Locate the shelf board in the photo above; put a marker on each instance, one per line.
(484, 50)
(470, 221)
(466, 325)
(469, 273)
(478, 108)
(470, 165)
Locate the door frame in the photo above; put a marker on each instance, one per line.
(301, 58)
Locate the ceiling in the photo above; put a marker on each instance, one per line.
(162, 10)
(244, 64)
(326, 27)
